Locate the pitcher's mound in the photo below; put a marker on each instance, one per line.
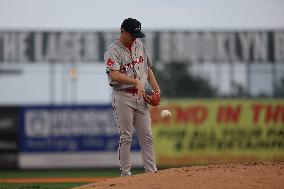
(244, 175)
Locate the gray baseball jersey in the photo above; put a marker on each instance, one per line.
(134, 64)
(131, 111)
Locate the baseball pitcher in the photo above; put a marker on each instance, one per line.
(128, 67)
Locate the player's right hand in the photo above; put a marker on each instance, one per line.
(140, 88)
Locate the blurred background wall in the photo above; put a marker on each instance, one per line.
(55, 100)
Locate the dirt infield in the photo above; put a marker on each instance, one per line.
(247, 175)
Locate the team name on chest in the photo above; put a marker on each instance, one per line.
(130, 65)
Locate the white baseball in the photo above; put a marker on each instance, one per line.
(165, 113)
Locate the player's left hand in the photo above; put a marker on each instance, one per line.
(153, 99)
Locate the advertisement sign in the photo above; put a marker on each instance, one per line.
(70, 136)
(167, 46)
(219, 131)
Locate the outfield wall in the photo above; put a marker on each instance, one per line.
(200, 131)
(9, 124)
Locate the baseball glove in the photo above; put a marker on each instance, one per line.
(153, 99)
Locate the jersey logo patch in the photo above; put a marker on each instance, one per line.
(110, 62)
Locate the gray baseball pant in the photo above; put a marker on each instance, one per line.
(133, 112)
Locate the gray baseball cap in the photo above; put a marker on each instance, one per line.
(132, 26)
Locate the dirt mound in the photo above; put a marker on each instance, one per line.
(243, 175)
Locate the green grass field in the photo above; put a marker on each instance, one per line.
(67, 173)
(41, 186)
